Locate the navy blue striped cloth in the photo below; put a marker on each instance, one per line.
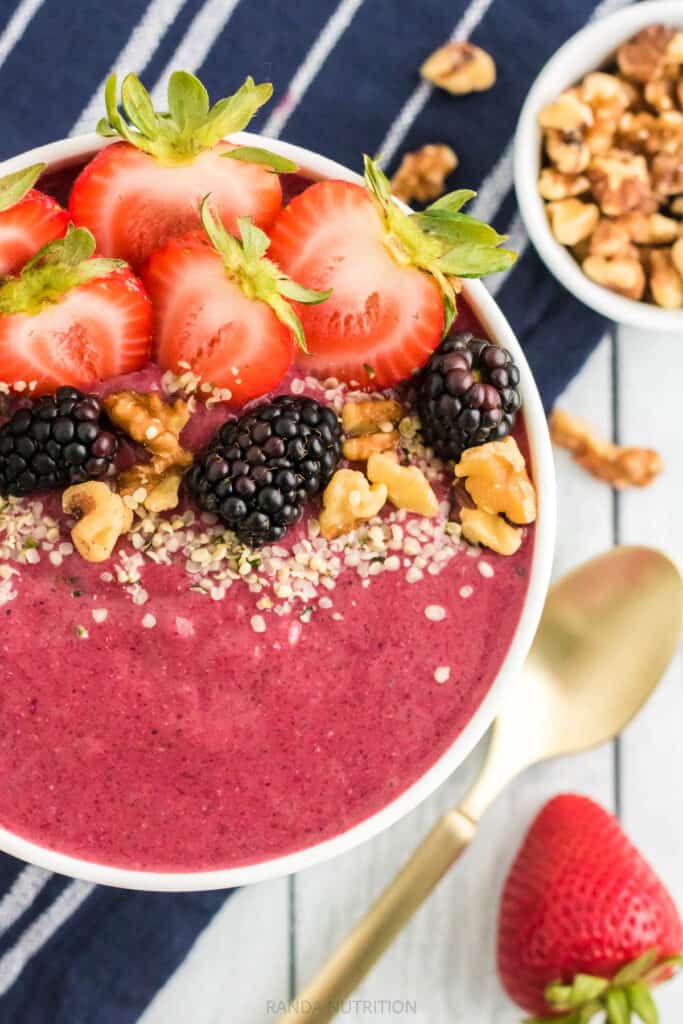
(345, 82)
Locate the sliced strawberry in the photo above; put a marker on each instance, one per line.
(390, 273)
(382, 320)
(136, 194)
(218, 308)
(72, 319)
(29, 219)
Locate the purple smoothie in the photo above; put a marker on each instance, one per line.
(164, 713)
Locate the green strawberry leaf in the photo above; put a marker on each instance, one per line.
(258, 277)
(641, 1002)
(455, 228)
(256, 155)
(616, 1004)
(189, 126)
(452, 201)
(475, 261)
(636, 969)
(13, 187)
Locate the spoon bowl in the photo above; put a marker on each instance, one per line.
(607, 634)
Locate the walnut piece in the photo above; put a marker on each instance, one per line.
(348, 500)
(554, 185)
(480, 527)
(620, 181)
(359, 449)
(619, 466)
(460, 68)
(497, 480)
(622, 274)
(407, 486)
(422, 174)
(610, 238)
(647, 56)
(567, 150)
(677, 255)
(666, 283)
(567, 113)
(156, 425)
(667, 173)
(572, 221)
(102, 519)
(368, 416)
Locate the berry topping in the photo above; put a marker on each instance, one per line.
(72, 318)
(259, 470)
(222, 308)
(28, 219)
(467, 395)
(61, 439)
(136, 194)
(391, 274)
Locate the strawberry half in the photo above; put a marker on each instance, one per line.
(137, 193)
(585, 925)
(221, 309)
(28, 218)
(390, 273)
(70, 318)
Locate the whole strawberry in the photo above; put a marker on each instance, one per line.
(585, 925)
(29, 219)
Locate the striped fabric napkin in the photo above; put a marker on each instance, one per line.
(345, 76)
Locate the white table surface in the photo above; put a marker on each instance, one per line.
(270, 938)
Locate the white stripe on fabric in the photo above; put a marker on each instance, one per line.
(41, 931)
(136, 54)
(196, 44)
(418, 98)
(16, 26)
(21, 894)
(517, 240)
(314, 60)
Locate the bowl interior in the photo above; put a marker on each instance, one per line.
(68, 152)
(588, 50)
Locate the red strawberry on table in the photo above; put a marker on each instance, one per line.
(585, 925)
(221, 308)
(137, 193)
(390, 273)
(72, 318)
(28, 218)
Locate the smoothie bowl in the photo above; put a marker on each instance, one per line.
(258, 601)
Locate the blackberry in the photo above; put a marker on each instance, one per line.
(57, 441)
(260, 469)
(467, 395)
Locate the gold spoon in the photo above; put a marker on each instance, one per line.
(608, 632)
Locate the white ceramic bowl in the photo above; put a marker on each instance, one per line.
(587, 51)
(75, 151)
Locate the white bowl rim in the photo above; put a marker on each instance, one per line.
(583, 52)
(66, 151)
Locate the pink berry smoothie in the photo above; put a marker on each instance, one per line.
(175, 710)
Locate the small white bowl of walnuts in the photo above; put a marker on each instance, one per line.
(599, 165)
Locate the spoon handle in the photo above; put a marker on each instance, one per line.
(323, 998)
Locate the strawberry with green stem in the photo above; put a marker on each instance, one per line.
(29, 219)
(585, 926)
(391, 273)
(224, 309)
(72, 318)
(136, 193)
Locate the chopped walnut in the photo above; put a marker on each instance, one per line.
(359, 449)
(422, 174)
(497, 481)
(460, 68)
(480, 527)
(666, 283)
(368, 416)
(660, 94)
(677, 255)
(610, 238)
(567, 113)
(102, 518)
(407, 486)
(622, 274)
(554, 185)
(647, 56)
(156, 425)
(667, 173)
(571, 220)
(620, 181)
(677, 206)
(619, 466)
(348, 500)
(567, 150)
(607, 94)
